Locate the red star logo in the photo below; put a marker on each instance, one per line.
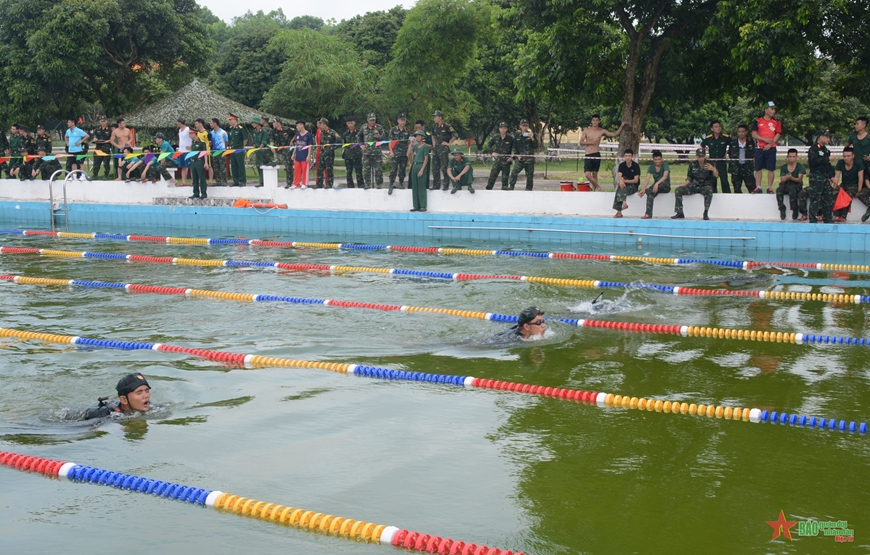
(781, 526)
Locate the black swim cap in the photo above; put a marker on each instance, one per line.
(529, 314)
(130, 383)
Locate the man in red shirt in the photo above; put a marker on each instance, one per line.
(766, 131)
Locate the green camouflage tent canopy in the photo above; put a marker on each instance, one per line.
(190, 102)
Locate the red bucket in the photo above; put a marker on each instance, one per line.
(567, 186)
(583, 187)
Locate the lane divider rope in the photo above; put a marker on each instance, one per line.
(685, 331)
(599, 399)
(580, 283)
(743, 264)
(310, 521)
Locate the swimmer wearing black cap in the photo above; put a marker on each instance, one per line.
(530, 323)
(134, 395)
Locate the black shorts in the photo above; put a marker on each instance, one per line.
(592, 163)
(72, 160)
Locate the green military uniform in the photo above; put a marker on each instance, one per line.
(326, 163)
(100, 134)
(399, 163)
(197, 169)
(4, 146)
(372, 156)
(849, 182)
(501, 164)
(15, 151)
(28, 148)
(238, 135)
(524, 148)
(790, 188)
(862, 153)
(283, 140)
(742, 173)
(441, 132)
(701, 181)
(821, 194)
(664, 186)
(419, 184)
(352, 155)
(260, 140)
(43, 142)
(717, 148)
(46, 168)
(455, 168)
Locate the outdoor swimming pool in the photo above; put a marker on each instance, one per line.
(520, 472)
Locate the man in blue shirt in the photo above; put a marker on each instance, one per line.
(167, 162)
(219, 163)
(75, 137)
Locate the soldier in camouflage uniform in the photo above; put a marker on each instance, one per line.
(821, 194)
(372, 156)
(717, 144)
(742, 173)
(282, 139)
(701, 178)
(260, 140)
(102, 137)
(4, 151)
(525, 144)
(443, 136)
(352, 154)
(501, 146)
(326, 163)
(43, 141)
(238, 139)
(44, 168)
(28, 149)
(14, 151)
(399, 152)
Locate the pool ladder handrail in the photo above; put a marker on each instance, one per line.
(51, 208)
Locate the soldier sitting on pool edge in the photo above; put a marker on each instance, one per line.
(134, 395)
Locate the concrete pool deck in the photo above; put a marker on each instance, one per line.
(744, 222)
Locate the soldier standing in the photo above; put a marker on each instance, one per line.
(4, 151)
(43, 141)
(14, 151)
(822, 193)
(102, 137)
(501, 146)
(238, 140)
(328, 140)
(399, 139)
(197, 166)
(372, 163)
(741, 151)
(282, 139)
(443, 136)
(260, 140)
(525, 145)
(352, 154)
(717, 144)
(701, 178)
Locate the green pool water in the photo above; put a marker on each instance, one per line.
(524, 473)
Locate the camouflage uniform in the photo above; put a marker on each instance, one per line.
(28, 148)
(524, 148)
(284, 138)
(259, 140)
(100, 134)
(43, 143)
(701, 181)
(15, 151)
(399, 163)
(237, 136)
(46, 168)
(372, 156)
(352, 155)
(326, 164)
(441, 132)
(742, 173)
(716, 149)
(821, 193)
(4, 146)
(501, 164)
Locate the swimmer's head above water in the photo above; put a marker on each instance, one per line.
(531, 322)
(134, 393)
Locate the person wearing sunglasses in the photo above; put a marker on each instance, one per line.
(530, 323)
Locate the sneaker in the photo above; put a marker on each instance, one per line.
(303, 186)
(678, 216)
(769, 191)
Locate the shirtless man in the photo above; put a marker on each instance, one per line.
(121, 138)
(591, 139)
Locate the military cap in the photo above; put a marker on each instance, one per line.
(402, 116)
(770, 104)
(438, 113)
(421, 133)
(457, 151)
(40, 127)
(324, 121)
(502, 124)
(701, 152)
(232, 115)
(279, 120)
(372, 116)
(350, 118)
(264, 118)
(102, 118)
(256, 120)
(826, 133)
(159, 136)
(524, 121)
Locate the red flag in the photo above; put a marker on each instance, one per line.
(393, 144)
(843, 200)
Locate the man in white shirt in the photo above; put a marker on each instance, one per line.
(184, 144)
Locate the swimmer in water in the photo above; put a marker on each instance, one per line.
(530, 324)
(134, 395)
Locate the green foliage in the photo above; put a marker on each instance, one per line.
(246, 68)
(373, 34)
(306, 22)
(319, 77)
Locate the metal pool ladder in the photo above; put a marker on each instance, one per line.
(57, 211)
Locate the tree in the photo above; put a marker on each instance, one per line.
(57, 57)
(306, 22)
(319, 78)
(373, 34)
(246, 68)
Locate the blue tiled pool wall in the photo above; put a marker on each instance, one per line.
(218, 221)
